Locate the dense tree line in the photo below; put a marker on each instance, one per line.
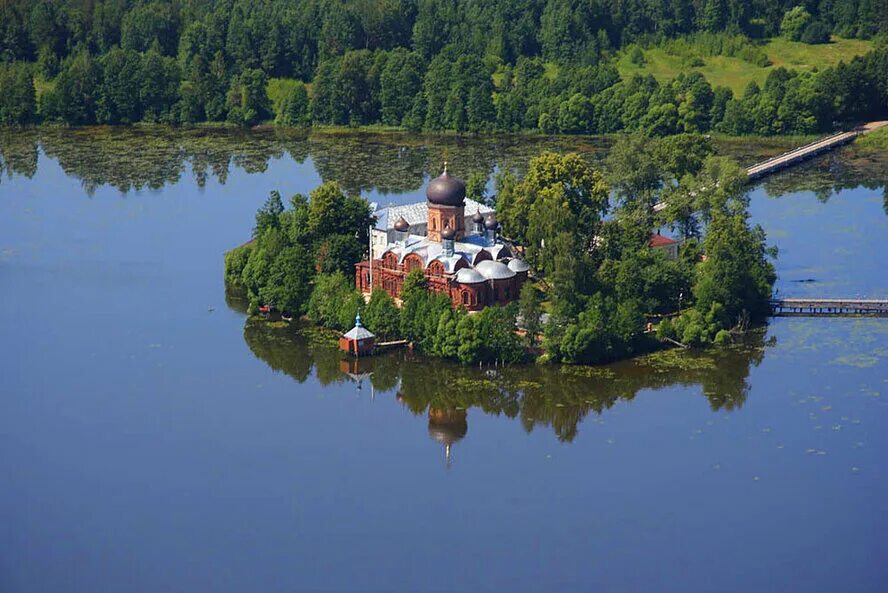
(601, 275)
(462, 65)
(792, 102)
(290, 37)
(322, 233)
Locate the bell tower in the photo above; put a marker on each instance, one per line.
(447, 205)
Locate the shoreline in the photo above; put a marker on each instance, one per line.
(303, 323)
(373, 130)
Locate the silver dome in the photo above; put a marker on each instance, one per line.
(518, 265)
(469, 276)
(494, 270)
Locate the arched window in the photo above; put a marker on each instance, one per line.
(413, 262)
(465, 296)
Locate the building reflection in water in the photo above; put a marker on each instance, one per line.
(352, 368)
(448, 427)
(551, 397)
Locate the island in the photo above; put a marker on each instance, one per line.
(562, 265)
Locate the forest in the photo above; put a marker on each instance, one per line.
(433, 65)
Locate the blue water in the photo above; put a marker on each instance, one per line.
(145, 447)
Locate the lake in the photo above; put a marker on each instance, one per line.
(153, 439)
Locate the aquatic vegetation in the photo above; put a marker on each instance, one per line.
(586, 371)
(861, 361)
(320, 336)
(668, 360)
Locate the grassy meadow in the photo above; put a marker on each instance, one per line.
(736, 73)
(877, 139)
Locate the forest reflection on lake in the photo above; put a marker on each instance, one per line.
(388, 163)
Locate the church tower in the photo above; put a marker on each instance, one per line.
(447, 204)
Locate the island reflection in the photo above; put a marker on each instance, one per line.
(558, 397)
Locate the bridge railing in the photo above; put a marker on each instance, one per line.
(798, 150)
(830, 306)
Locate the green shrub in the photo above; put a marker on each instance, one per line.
(794, 23)
(334, 301)
(815, 33)
(381, 315)
(665, 330)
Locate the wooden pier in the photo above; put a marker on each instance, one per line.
(392, 344)
(829, 307)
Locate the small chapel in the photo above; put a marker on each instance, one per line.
(454, 241)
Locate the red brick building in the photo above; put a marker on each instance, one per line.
(460, 255)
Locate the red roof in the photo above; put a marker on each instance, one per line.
(661, 241)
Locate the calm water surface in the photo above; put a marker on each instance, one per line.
(152, 440)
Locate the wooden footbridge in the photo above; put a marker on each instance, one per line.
(829, 307)
(802, 153)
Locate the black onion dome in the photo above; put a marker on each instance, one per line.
(491, 223)
(477, 217)
(402, 226)
(448, 233)
(446, 190)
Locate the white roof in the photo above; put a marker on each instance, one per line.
(450, 261)
(359, 332)
(467, 249)
(494, 270)
(418, 213)
(469, 276)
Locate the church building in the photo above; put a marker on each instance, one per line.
(453, 240)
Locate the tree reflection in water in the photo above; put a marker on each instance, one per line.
(559, 397)
(133, 158)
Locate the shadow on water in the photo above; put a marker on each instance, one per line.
(133, 158)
